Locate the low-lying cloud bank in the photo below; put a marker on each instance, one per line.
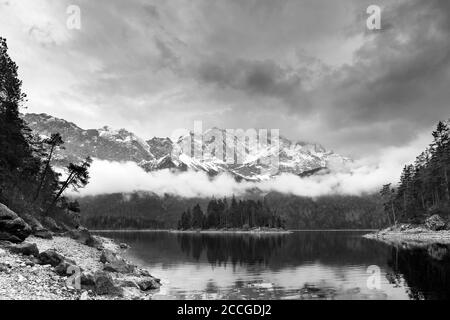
(366, 175)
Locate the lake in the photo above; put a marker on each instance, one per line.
(300, 265)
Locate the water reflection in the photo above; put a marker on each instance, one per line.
(280, 250)
(234, 249)
(425, 269)
(302, 265)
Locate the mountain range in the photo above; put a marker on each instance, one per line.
(121, 145)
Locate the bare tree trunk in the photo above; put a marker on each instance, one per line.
(389, 218)
(393, 213)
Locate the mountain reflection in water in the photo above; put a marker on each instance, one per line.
(301, 265)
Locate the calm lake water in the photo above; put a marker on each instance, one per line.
(301, 265)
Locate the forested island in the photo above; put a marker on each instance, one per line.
(238, 215)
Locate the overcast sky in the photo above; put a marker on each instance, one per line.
(308, 67)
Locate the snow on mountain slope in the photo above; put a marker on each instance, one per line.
(256, 158)
(249, 161)
(104, 144)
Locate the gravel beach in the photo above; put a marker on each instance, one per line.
(24, 277)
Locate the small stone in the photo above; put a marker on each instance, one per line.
(30, 263)
(124, 246)
(85, 296)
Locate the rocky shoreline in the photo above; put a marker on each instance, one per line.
(64, 268)
(48, 260)
(416, 235)
(433, 231)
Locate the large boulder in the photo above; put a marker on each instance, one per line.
(87, 279)
(94, 242)
(435, 223)
(142, 273)
(84, 236)
(127, 283)
(80, 234)
(34, 223)
(50, 257)
(114, 263)
(25, 248)
(108, 256)
(141, 283)
(43, 233)
(67, 268)
(12, 227)
(119, 267)
(9, 237)
(37, 228)
(51, 224)
(105, 285)
(149, 283)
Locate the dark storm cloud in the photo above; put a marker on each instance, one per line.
(309, 67)
(393, 90)
(400, 77)
(264, 78)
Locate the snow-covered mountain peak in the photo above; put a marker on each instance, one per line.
(215, 151)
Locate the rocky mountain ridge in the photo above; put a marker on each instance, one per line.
(256, 161)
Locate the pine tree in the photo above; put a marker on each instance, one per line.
(19, 166)
(78, 177)
(197, 217)
(242, 214)
(424, 187)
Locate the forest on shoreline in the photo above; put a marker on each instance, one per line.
(29, 185)
(422, 191)
(149, 211)
(424, 186)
